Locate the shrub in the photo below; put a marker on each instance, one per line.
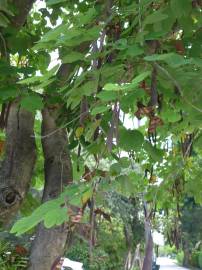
(79, 252)
(194, 260)
(180, 257)
(101, 260)
(200, 259)
(167, 251)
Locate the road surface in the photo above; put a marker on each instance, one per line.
(169, 264)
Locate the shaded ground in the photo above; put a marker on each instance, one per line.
(169, 264)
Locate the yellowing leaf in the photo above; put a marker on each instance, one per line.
(86, 196)
(79, 132)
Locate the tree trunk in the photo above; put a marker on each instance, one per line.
(128, 238)
(147, 264)
(50, 243)
(186, 250)
(18, 164)
(20, 149)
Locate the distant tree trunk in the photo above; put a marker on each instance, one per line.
(18, 164)
(92, 228)
(129, 240)
(186, 249)
(50, 243)
(137, 260)
(147, 264)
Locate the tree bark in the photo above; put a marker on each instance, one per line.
(147, 264)
(20, 150)
(18, 164)
(50, 243)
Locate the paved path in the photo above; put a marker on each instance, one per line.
(168, 264)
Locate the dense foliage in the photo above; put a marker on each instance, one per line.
(123, 78)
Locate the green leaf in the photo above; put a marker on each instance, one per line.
(115, 169)
(128, 86)
(53, 34)
(55, 217)
(90, 129)
(99, 109)
(133, 51)
(73, 57)
(155, 153)
(172, 59)
(32, 103)
(107, 95)
(158, 57)
(181, 7)
(124, 162)
(8, 92)
(30, 80)
(156, 16)
(169, 115)
(87, 16)
(88, 88)
(54, 2)
(130, 139)
(112, 87)
(126, 185)
(140, 78)
(41, 79)
(25, 224)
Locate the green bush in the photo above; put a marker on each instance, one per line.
(167, 251)
(200, 260)
(79, 252)
(194, 259)
(180, 257)
(101, 260)
(109, 252)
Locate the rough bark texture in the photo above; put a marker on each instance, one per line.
(20, 150)
(17, 166)
(49, 243)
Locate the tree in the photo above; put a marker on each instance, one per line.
(138, 59)
(191, 228)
